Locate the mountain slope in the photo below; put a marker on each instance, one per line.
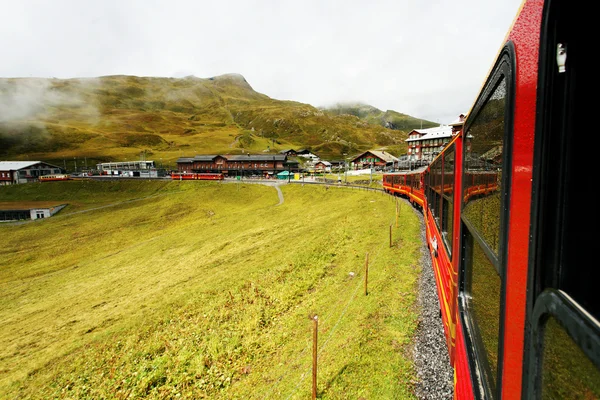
(388, 119)
(127, 117)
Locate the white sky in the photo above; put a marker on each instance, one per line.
(425, 58)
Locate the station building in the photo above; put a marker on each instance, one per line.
(15, 172)
(265, 165)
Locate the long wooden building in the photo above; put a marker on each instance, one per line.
(264, 165)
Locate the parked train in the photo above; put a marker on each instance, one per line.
(509, 219)
(54, 177)
(203, 176)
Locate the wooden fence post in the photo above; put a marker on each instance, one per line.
(366, 274)
(314, 369)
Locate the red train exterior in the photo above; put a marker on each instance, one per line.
(54, 178)
(408, 184)
(205, 176)
(503, 219)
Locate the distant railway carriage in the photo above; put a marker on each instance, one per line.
(54, 177)
(206, 176)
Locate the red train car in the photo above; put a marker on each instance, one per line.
(54, 178)
(203, 176)
(507, 221)
(406, 184)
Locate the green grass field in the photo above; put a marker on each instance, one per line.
(160, 289)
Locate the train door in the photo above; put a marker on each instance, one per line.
(563, 341)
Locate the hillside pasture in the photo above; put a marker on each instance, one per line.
(161, 289)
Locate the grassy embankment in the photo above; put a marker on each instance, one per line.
(204, 290)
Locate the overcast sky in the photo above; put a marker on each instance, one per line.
(424, 58)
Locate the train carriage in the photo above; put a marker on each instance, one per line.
(200, 176)
(406, 184)
(54, 178)
(502, 210)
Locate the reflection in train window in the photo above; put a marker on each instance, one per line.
(482, 236)
(483, 168)
(567, 373)
(447, 202)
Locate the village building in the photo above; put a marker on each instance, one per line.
(289, 152)
(376, 159)
(128, 168)
(15, 172)
(28, 210)
(264, 165)
(425, 144)
(322, 166)
(307, 154)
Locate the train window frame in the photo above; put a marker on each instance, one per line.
(581, 327)
(557, 180)
(446, 228)
(504, 69)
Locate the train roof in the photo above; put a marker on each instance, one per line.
(409, 172)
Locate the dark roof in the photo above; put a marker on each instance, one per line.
(382, 155)
(256, 157)
(207, 157)
(303, 151)
(234, 157)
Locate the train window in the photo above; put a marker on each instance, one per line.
(447, 199)
(567, 373)
(484, 193)
(483, 169)
(484, 288)
(436, 183)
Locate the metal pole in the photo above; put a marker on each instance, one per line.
(345, 171)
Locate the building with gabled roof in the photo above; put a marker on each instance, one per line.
(14, 172)
(373, 159)
(237, 164)
(323, 166)
(425, 144)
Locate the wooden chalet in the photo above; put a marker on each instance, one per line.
(373, 159)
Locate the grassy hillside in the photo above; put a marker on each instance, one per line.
(388, 119)
(205, 290)
(116, 118)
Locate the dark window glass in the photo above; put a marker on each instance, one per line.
(448, 206)
(436, 189)
(483, 303)
(482, 215)
(483, 169)
(567, 373)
